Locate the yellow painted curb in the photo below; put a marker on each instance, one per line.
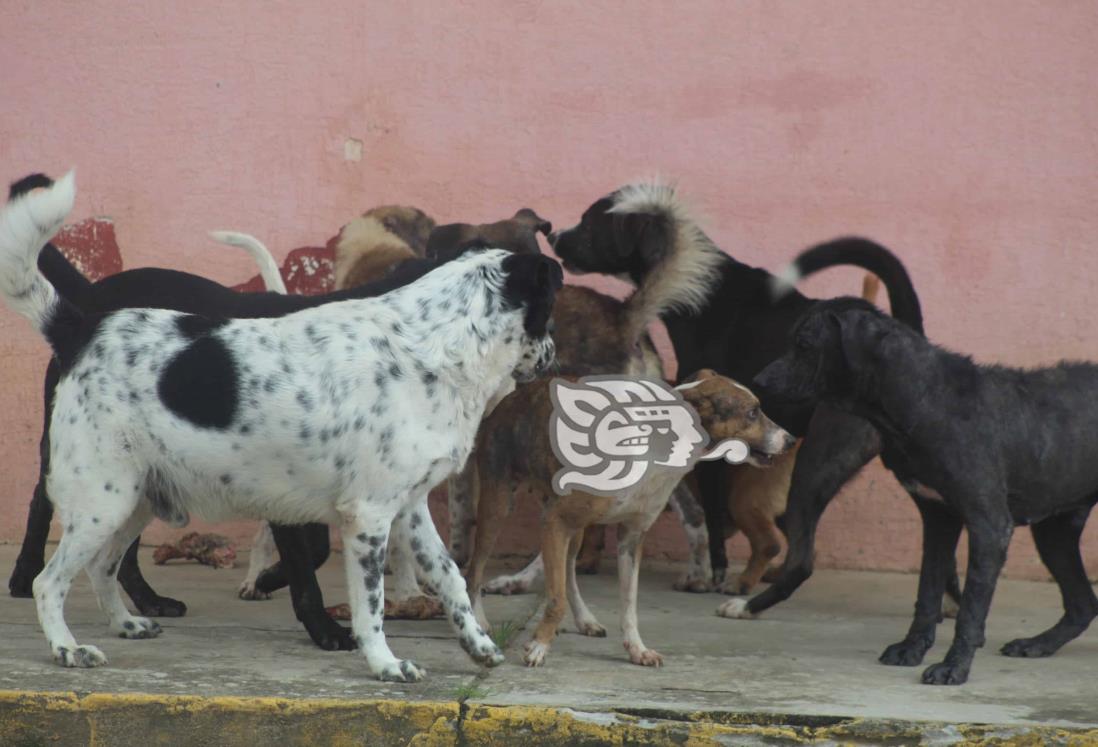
(66, 718)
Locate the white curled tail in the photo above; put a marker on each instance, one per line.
(27, 223)
(268, 270)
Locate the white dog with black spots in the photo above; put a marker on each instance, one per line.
(347, 413)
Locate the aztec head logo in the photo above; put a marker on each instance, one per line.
(607, 432)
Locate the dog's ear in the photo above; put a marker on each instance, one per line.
(535, 221)
(445, 241)
(641, 234)
(865, 343)
(28, 184)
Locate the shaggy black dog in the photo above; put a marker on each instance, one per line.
(740, 325)
(987, 448)
(301, 548)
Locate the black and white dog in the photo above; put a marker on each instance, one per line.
(986, 448)
(161, 413)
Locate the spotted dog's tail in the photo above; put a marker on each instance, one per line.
(869, 255)
(27, 223)
(268, 269)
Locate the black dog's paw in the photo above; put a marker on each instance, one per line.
(906, 653)
(1030, 648)
(160, 607)
(270, 580)
(945, 674)
(331, 636)
(21, 583)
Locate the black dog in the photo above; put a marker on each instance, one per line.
(301, 549)
(983, 447)
(738, 329)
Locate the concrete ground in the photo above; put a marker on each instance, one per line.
(806, 668)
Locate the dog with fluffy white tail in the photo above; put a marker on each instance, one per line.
(347, 413)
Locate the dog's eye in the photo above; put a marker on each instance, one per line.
(753, 413)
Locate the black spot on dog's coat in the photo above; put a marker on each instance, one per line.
(200, 384)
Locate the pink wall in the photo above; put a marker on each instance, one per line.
(963, 135)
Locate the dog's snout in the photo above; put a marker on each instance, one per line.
(789, 440)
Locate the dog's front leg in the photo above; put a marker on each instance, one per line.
(416, 531)
(630, 544)
(365, 538)
(941, 530)
(989, 533)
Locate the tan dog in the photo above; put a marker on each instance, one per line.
(517, 234)
(371, 245)
(513, 454)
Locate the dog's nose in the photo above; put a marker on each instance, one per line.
(790, 440)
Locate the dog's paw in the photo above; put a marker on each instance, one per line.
(485, 652)
(507, 585)
(84, 657)
(645, 657)
(138, 627)
(160, 607)
(591, 628)
(329, 635)
(250, 593)
(535, 653)
(403, 670)
(773, 573)
(692, 583)
(945, 674)
(1029, 648)
(735, 608)
(736, 586)
(906, 653)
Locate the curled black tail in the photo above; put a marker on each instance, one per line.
(869, 255)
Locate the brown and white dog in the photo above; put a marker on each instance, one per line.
(371, 245)
(513, 453)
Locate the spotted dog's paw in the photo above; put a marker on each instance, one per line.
(535, 653)
(139, 627)
(591, 628)
(735, 608)
(645, 657)
(84, 657)
(486, 653)
(404, 670)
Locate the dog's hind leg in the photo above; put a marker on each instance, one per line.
(699, 571)
(32, 555)
(439, 570)
(305, 594)
(144, 597)
(630, 544)
(1057, 540)
(989, 530)
(494, 504)
(836, 446)
(941, 530)
(103, 570)
(711, 478)
(92, 516)
(586, 623)
(315, 546)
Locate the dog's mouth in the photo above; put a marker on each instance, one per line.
(760, 458)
